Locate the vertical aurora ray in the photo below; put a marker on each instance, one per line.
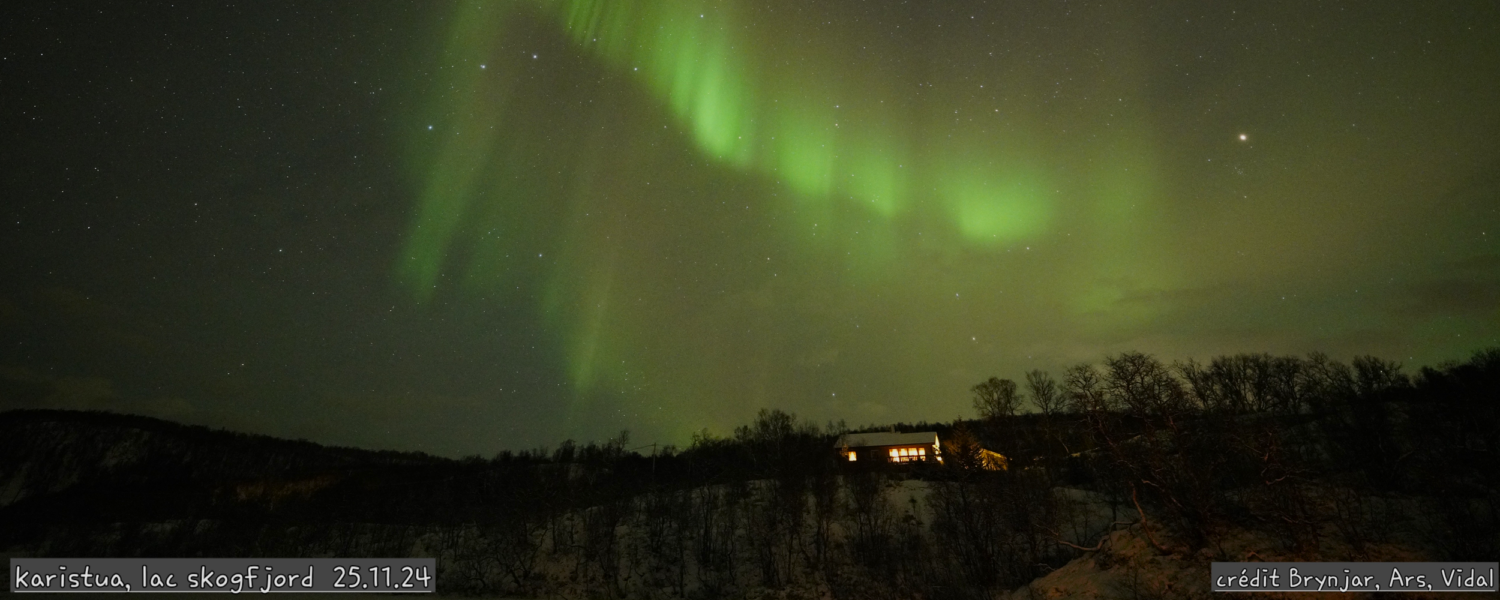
(463, 113)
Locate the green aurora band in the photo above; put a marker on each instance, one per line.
(853, 154)
(881, 188)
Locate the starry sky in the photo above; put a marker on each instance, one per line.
(461, 227)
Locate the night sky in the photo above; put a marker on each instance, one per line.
(469, 226)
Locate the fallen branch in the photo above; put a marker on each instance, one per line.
(1096, 547)
(1145, 526)
(1056, 537)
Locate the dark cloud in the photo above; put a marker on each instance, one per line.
(1470, 298)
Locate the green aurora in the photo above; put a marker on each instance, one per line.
(461, 226)
(721, 205)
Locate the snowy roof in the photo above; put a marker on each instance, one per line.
(860, 440)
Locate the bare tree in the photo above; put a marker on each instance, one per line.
(1245, 383)
(1044, 392)
(1374, 375)
(996, 398)
(1085, 389)
(1143, 385)
(1049, 400)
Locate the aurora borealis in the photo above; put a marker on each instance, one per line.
(466, 226)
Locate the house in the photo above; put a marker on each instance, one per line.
(889, 447)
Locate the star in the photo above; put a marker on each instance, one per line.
(1244, 137)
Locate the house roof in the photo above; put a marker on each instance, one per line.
(861, 440)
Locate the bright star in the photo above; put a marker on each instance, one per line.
(1244, 137)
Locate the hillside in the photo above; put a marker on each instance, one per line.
(47, 452)
(1130, 489)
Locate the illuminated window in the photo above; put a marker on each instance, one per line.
(853, 457)
(901, 455)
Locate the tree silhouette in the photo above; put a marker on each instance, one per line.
(1044, 392)
(996, 398)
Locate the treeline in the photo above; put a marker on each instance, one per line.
(1307, 448)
